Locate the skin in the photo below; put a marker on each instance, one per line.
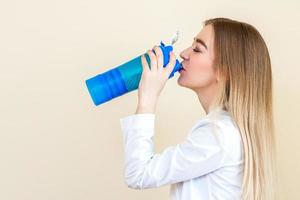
(198, 75)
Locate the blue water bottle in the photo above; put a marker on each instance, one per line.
(123, 78)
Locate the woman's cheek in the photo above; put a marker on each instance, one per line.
(203, 74)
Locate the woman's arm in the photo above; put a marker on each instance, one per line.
(198, 155)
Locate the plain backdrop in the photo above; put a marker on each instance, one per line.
(56, 145)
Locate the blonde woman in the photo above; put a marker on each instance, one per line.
(229, 153)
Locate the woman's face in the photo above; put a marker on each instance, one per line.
(198, 62)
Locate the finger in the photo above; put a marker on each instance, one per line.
(159, 56)
(170, 66)
(153, 60)
(144, 63)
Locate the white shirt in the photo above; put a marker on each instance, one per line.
(205, 166)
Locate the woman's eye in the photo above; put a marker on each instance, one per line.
(196, 50)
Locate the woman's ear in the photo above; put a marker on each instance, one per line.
(218, 75)
(223, 75)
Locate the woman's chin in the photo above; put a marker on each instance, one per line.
(180, 81)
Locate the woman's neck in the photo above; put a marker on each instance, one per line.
(206, 96)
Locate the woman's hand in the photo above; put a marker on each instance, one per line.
(153, 80)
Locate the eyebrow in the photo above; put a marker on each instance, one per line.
(200, 41)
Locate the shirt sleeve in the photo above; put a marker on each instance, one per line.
(199, 154)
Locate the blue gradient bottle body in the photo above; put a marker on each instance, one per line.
(123, 78)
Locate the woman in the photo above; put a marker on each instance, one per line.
(229, 153)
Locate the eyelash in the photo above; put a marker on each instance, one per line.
(196, 50)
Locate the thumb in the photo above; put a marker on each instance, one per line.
(172, 61)
(144, 63)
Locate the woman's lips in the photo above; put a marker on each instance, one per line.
(182, 66)
(181, 70)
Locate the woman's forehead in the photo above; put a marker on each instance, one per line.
(206, 35)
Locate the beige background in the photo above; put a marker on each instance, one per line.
(56, 145)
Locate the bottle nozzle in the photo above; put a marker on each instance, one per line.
(175, 37)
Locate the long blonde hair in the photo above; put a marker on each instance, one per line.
(243, 62)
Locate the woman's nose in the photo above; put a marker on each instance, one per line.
(184, 54)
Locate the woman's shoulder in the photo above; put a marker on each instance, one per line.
(222, 124)
(220, 117)
(222, 130)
